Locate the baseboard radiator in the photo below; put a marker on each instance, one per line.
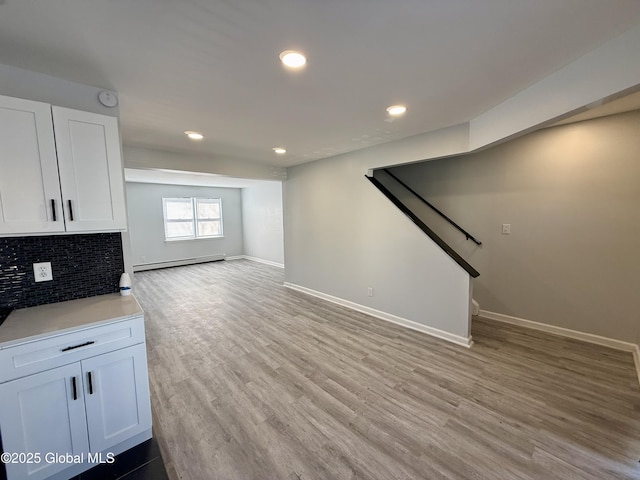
(177, 263)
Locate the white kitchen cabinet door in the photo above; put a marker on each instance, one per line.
(30, 200)
(90, 166)
(43, 414)
(116, 396)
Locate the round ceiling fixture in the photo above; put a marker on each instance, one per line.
(279, 150)
(396, 110)
(108, 99)
(293, 59)
(194, 135)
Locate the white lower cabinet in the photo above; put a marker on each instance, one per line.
(116, 396)
(83, 408)
(43, 414)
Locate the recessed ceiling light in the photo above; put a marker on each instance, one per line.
(396, 110)
(293, 59)
(279, 150)
(194, 135)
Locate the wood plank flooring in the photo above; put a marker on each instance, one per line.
(250, 380)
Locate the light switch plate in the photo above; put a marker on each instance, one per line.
(42, 271)
(506, 229)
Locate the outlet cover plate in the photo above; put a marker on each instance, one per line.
(42, 271)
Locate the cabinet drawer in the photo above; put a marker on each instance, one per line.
(54, 351)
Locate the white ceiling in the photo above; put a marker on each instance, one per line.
(212, 65)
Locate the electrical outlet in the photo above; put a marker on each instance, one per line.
(506, 228)
(370, 291)
(42, 271)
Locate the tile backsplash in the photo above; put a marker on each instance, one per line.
(82, 265)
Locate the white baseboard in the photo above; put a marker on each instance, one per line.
(566, 332)
(434, 332)
(475, 307)
(176, 263)
(255, 259)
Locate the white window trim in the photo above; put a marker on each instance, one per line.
(193, 220)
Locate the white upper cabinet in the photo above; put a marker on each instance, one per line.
(90, 168)
(70, 182)
(30, 200)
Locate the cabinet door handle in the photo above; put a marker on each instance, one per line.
(75, 388)
(53, 210)
(66, 349)
(90, 383)
(70, 211)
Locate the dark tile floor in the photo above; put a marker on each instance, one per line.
(142, 462)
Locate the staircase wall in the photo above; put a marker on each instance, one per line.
(343, 236)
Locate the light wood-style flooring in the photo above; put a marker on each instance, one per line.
(250, 380)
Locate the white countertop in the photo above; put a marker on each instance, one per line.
(28, 324)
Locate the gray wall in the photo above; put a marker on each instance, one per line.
(571, 194)
(262, 222)
(17, 82)
(146, 227)
(342, 236)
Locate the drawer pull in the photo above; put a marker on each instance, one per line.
(75, 388)
(77, 346)
(90, 384)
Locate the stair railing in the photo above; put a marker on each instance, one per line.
(435, 209)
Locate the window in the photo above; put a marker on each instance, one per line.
(191, 218)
